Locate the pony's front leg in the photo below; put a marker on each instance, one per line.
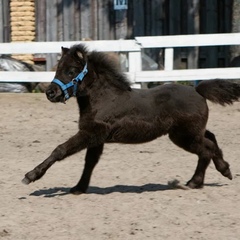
(73, 145)
(92, 157)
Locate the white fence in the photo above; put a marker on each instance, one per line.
(133, 48)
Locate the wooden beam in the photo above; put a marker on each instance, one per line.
(55, 47)
(138, 76)
(189, 40)
(187, 75)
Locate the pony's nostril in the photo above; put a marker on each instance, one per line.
(50, 93)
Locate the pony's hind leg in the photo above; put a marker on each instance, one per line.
(221, 165)
(206, 148)
(199, 145)
(206, 151)
(92, 157)
(197, 179)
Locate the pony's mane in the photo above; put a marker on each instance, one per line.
(103, 64)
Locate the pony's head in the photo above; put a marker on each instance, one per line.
(71, 72)
(78, 69)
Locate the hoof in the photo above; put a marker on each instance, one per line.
(227, 173)
(26, 181)
(193, 185)
(76, 191)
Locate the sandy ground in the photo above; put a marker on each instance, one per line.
(129, 197)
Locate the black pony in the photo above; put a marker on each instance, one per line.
(112, 112)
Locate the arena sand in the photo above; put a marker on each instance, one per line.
(129, 197)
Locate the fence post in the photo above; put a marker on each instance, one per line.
(168, 62)
(135, 65)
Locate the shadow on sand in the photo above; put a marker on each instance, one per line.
(151, 187)
(60, 191)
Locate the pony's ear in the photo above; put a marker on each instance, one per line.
(64, 50)
(79, 54)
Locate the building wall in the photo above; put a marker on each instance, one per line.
(22, 18)
(73, 20)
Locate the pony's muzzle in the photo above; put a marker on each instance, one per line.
(50, 93)
(53, 93)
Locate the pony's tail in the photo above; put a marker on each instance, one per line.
(219, 91)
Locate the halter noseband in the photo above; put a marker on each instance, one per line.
(73, 83)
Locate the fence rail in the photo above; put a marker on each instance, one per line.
(55, 47)
(133, 48)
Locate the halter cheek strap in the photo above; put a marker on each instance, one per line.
(73, 83)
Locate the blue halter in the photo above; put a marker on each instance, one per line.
(73, 83)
